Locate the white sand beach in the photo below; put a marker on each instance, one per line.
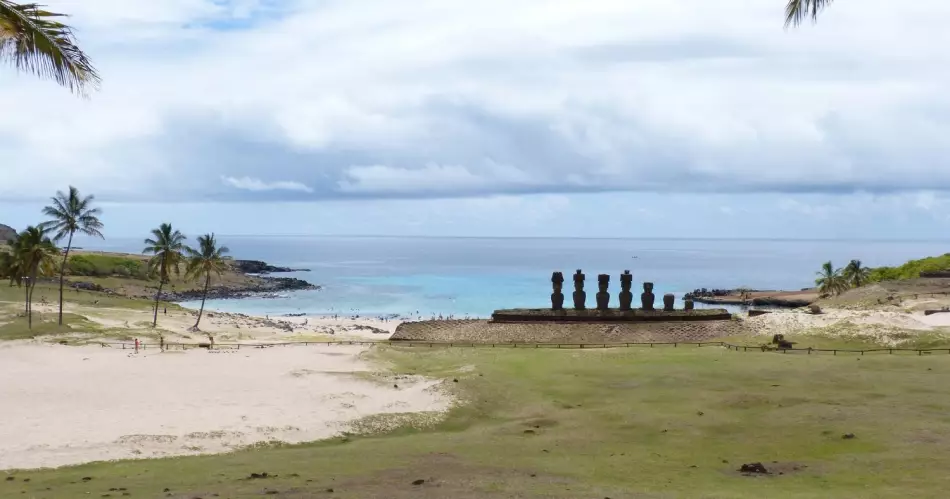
(67, 405)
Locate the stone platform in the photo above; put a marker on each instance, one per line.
(613, 315)
(484, 332)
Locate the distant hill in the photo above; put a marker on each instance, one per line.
(6, 232)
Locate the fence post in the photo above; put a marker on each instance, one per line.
(835, 352)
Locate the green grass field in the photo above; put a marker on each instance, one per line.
(619, 423)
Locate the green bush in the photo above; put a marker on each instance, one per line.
(107, 265)
(911, 269)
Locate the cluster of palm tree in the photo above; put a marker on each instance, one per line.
(832, 281)
(168, 249)
(36, 41)
(32, 254)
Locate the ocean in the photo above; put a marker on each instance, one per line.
(474, 276)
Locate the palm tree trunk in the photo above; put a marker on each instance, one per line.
(161, 282)
(29, 299)
(203, 298)
(62, 274)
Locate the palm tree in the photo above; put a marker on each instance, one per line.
(71, 213)
(207, 259)
(829, 280)
(798, 10)
(38, 43)
(37, 256)
(166, 245)
(855, 275)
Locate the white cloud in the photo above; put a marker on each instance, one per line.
(258, 185)
(445, 97)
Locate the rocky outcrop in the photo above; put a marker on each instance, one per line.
(266, 287)
(935, 274)
(259, 267)
(6, 232)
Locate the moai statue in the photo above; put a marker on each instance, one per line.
(668, 301)
(626, 297)
(646, 297)
(603, 297)
(688, 305)
(557, 297)
(579, 295)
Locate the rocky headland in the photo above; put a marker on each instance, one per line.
(259, 267)
(244, 279)
(7, 232)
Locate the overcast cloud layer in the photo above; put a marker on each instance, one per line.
(262, 100)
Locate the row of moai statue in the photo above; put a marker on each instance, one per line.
(647, 298)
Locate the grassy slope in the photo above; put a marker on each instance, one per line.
(607, 423)
(13, 325)
(125, 274)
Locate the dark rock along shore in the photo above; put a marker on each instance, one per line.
(259, 267)
(270, 285)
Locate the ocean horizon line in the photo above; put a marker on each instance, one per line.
(585, 238)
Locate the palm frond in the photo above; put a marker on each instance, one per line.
(71, 213)
(797, 11)
(38, 43)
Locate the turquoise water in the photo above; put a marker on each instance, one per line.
(473, 276)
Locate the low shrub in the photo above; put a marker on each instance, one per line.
(107, 265)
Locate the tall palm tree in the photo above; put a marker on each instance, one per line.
(798, 10)
(166, 246)
(856, 275)
(37, 256)
(207, 259)
(71, 213)
(36, 42)
(829, 280)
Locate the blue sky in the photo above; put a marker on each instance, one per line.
(605, 118)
